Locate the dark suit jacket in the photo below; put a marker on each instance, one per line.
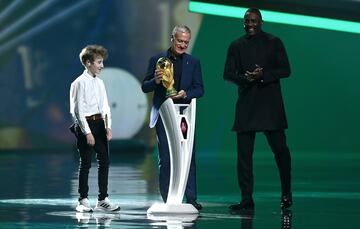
(191, 83)
(260, 104)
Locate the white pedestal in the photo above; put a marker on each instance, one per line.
(180, 149)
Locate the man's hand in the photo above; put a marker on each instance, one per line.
(108, 134)
(158, 76)
(254, 75)
(180, 95)
(90, 139)
(258, 73)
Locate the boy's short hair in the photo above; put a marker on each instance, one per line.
(90, 52)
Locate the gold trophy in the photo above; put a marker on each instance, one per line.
(166, 67)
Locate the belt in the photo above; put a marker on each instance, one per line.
(94, 117)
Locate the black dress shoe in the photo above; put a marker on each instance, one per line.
(286, 218)
(286, 201)
(243, 205)
(195, 204)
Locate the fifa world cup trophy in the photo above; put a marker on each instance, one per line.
(166, 66)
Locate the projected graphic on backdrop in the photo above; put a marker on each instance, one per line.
(336, 9)
(127, 102)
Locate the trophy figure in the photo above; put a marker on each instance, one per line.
(166, 67)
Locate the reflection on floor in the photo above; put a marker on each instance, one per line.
(39, 190)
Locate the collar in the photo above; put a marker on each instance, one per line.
(172, 56)
(88, 75)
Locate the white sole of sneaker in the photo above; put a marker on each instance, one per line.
(106, 210)
(81, 209)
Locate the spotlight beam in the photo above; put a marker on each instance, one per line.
(45, 24)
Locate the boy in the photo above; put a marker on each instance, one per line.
(91, 114)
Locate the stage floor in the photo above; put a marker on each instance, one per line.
(39, 190)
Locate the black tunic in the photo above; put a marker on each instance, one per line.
(260, 104)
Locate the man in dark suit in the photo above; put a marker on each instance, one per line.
(255, 63)
(189, 84)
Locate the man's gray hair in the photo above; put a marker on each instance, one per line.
(181, 29)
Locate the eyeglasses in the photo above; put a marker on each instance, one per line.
(178, 41)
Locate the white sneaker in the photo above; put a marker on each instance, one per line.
(84, 205)
(105, 206)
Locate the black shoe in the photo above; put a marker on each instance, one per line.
(286, 218)
(243, 205)
(195, 204)
(286, 201)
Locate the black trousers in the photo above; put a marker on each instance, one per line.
(164, 166)
(97, 128)
(245, 147)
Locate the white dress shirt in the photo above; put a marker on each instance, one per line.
(88, 97)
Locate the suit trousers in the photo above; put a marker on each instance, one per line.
(245, 147)
(97, 128)
(164, 166)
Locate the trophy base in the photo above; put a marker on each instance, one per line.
(170, 93)
(168, 209)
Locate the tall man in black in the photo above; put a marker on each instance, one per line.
(189, 84)
(255, 63)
